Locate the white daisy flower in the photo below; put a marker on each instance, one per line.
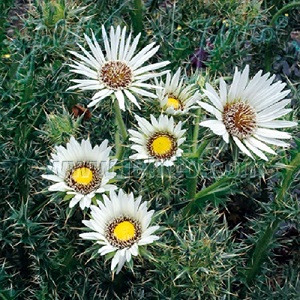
(247, 110)
(157, 141)
(81, 170)
(174, 97)
(120, 224)
(119, 71)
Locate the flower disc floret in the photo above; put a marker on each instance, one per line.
(239, 119)
(123, 232)
(83, 177)
(173, 103)
(162, 145)
(115, 75)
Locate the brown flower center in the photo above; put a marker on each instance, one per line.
(239, 119)
(115, 75)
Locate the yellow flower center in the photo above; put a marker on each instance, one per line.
(162, 145)
(82, 175)
(124, 231)
(173, 102)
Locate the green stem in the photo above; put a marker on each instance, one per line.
(288, 178)
(137, 17)
(260, 250)
(192, 181)
(212, 187)
(122, 130)
(196, 130)
(282, 11)
(201, 148)
(264, 241)
(192, 184)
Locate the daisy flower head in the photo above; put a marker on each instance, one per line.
(175, 97)
(118, 70)
(247, 111)
(158, 141)
(81, 170)
(121, 225)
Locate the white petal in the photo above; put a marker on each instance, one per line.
(106, 44)
(143, 55)
(96, 100)
(85, 202)
(120, 97)
(60, 186)
(216, 126)
(107, 249)
(86, 72)
(115, 260)
(242, 147)
(273, 133)
(132, 48)
(234, 87)
(96, 48)
(213, 97)
(122, 261)
(151, 67)
(132, 98)
(258, 144)
(142, 92)
(53, 178)
(134, 249)
(255, 150)
(273, 108)
(271, 141)
(211, 110)
(122, 44)
(272, 116)
(91, 236)
(90, 60)
(277, 124)
(115, 39)
(74, 201)
(223, 91)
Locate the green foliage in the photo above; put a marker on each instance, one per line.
(60, 127)
(198, 258)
